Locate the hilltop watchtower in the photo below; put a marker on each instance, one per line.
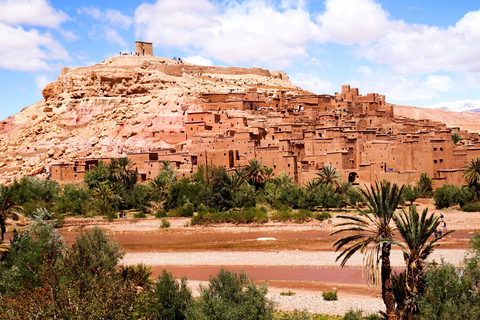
(144, 48)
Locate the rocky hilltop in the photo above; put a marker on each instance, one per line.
(112, 108)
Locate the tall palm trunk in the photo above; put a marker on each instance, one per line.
(415, 286)
(387, 291)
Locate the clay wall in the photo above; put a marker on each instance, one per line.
(145, 48)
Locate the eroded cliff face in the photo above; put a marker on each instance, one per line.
(112, 108)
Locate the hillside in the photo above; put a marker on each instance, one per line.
(466, 120)
(112, 108)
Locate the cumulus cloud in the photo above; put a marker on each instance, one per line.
(252, 30)
(352, 21)
(110, 16)
(311, 83)
(199, 60)
(31, 12)
(439, 83)
(28, 50)
(364, 69)
(395, 87)
(421, 49)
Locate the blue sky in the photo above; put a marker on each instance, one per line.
(415, 52)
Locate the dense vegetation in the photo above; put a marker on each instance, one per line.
(41, 278)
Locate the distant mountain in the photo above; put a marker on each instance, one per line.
(458, 106)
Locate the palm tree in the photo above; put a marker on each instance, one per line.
(425, 184)
(471, 174)
(310, 185)
(283, 179)
(416, 230)
(329, 175)
(456, 137)
(256, 171)
(373, 235)
(237, 178)
(6, 204)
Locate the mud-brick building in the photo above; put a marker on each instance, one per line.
(298, 134)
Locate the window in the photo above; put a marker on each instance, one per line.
(289, 165)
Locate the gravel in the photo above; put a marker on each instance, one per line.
(310, 300)
(276, 258)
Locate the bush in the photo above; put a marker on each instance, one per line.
(353, 314)
(374, 316)
(471, 207)
(287, 293)
(138, 274)
(282, 212)
(165, 224)
(247, 215)
(139, 215)
(170, 298)
(302, 215)
(231, 296)
(92, 253)
(329, 295)
(74, 199)
(244, 196)
(323, 216)
(295, 315)
(162, 213)
(449, 195)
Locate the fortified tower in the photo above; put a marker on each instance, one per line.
(144, 48)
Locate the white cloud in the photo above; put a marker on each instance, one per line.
(31, 12)
(439, 83)
(113, 36)
(417, 49)
(28, 50)
(364, 70)
(311, 83)
(110, 16)
(395, 87)
(252, 30)
(175, 22)
(199, 60)
(352, 21)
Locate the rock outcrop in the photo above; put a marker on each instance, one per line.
(112, 108)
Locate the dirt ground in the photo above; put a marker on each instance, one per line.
(296, 257)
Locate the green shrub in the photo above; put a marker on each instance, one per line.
(244, 196)
(449, 195)
(92, 253)
(74, 199)
(162, 213)
(170, 298)
(329, 295)
(295, 315)
(165, 224)
(234, 297)
(302, 215)
(111, 215)
(282, 213)
(353, 314)
(323, 216)
(374, 316)
(139, 215)
(139, 274)
(287, 293)
(471, 207)
(247, 215)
